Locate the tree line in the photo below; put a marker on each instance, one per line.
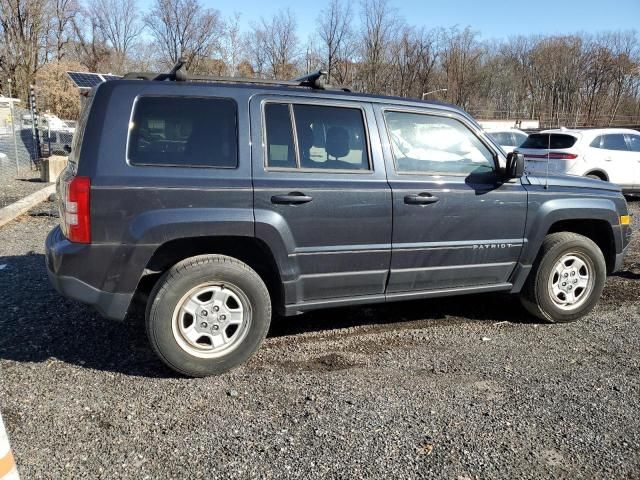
(566, 79)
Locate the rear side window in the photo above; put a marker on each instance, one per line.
(331, 138)
(281, 150)
(184, 132)
(549, 140)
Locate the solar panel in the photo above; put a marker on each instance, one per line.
(88, 80)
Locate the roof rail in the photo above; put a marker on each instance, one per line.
(316, 80)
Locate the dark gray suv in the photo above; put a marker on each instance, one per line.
(217, 201)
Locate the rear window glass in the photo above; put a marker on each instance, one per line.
(184, 132)
(549, 140)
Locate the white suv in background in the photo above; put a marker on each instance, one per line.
(508, 139)
(611, 154)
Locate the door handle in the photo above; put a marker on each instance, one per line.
(608, 159)
(293, 198)
(420, 199)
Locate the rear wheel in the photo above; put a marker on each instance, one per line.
(566, 280)
(596, 176)
(208, 314)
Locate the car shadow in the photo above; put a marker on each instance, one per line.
(38, 324)
(489, 308)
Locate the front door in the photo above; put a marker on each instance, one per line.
(320, 191)
(455, 222)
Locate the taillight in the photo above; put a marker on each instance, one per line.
(553, 156)
(77, 218)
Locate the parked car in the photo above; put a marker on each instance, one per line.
(508, 139)
(213, 203)
(56, 142)
(611, 154)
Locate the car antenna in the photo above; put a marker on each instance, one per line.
(546, 177)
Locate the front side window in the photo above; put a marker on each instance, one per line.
(435, 144)
(184, 132)
(327, 138)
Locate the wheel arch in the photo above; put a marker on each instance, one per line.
(599, 173)
(598, 231)
(250, 250)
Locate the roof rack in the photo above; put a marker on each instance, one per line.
(316, 80)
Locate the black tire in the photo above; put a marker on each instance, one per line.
(182, 278)
(595, 177)
(535, 295)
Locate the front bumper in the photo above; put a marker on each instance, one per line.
(112, 305)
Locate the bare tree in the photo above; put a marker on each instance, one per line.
(119, 23)
(334, 32)
(274, 42)
(23, 33)
(233, 45)
(183, 28)
(61, 29)
(91, 49)
(380, 25)
(461, 63)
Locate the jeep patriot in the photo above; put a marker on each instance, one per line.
(217, 202)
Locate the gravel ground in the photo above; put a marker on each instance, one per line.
(13, 189)
(459, 388)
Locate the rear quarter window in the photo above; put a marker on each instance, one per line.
(547, 140)
(183, 132)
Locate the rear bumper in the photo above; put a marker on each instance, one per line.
(109, 305)
(62, 260)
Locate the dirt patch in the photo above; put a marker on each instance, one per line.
(325, 363)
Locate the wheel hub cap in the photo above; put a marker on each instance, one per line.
(571, 281)
(211, 320)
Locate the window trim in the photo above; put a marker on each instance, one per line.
(169, 165)
(291, 102)
(460, 119)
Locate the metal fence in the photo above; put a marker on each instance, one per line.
(18, 155)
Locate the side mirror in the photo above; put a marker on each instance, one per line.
(515, 165)
(67, 148)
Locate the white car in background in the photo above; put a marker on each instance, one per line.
(508, 139)
(611, 154)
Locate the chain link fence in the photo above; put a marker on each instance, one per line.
(25, 140)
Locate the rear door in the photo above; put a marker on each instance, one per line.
(321, 191)
(456, 224)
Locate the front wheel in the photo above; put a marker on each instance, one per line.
(208, 314)
(566, 280)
